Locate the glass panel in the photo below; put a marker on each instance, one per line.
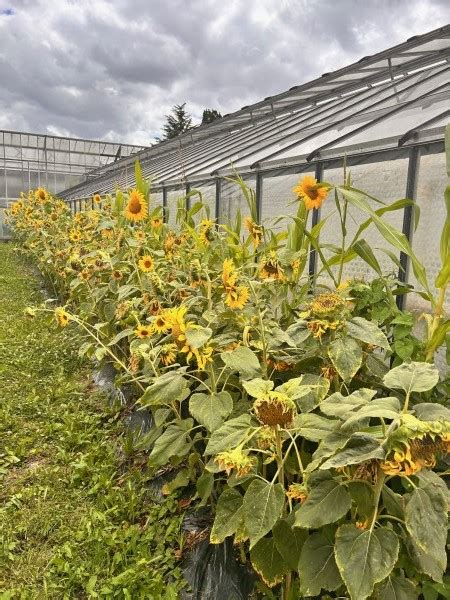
(233, 199)
(172, 200)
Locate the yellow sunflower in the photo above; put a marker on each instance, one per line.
(62, 317)
(143, 331)
(156, 222)
(237, 297)
(255, 231)
(139, 235)
(229, 274)
(75, 235)
(311, 192)
(162, 323)
(168, 354)
(137, 208)
(146, 263)
(41, 194)
(270, 268)
(97, 198)
(206, 231)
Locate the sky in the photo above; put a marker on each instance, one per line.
(112, 69)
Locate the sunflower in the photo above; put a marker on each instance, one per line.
(107, 233)
(237, 297)
(41, 194)
(229, 274)
(75, 235)
(326, 304)
(311, 192)
(297, 491)
(161, 323)
(143, 331)
(206, 231)
(168, 354)
(270, 268)
(62, 317)
(137, 208)
(117, 274)
(97, 198)
(146, 263)
(235, 459)
(320, 326)
(156, 222)
(275, 408)
(139, 235)
(255, 231)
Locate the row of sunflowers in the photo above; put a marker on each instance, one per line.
(301, 408)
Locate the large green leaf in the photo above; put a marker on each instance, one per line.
(363, 496)
(173, 442)
(268, 562)
(338, 405)
(359, 448)
(167, 389)
(412, 377)
(368, 332)
(327, 502)
(424, 562)
(317, 567)
(242, 360)
(396, 587)
(365, 557)
(263, 503)
(312, 391)
(385, 408)
(211, 409)
(258, 387)
(289, 541)
(229, 435)
(314, 427)
(198, 336)
(346, 356)
(426, 522)
(229, 515)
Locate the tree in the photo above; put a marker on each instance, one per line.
(210, 115)
(177, 122)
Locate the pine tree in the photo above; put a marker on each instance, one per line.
(210, 115)
(177, 122)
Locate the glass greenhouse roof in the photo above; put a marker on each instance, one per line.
(390, 99)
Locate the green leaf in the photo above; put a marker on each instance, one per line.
(229, 435)
(244, 361)
(210, 409)
(426, 522)
(268, 562)
(312, 391)
(338, 405)
(364, 251)
(258, 387)
(229, 515)
(173, 442)
(180, 480)
(412, 377)
(385, 408)
(298, 332)
(168, 388)
(289, 542)
(313, 427)
(359, 448)
(424, 562)
(204, 486)
(365, 557)
(317, 566)
(327, 502)
(263, 503)
(368, 332)
(198, 337)
(363, 496)
(346, 356)
(396, 587)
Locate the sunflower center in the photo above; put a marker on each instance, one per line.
(134, 206)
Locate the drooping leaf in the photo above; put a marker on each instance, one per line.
(317, 567)
(346, 356)
(359, 448)
(167, 389)
(173, 442)
(289, 541)
(313, 390)
(363, 496)
(204, 486)
(365, 557)
(198, 337)
(229, 514)
(258, 387)
(211, 409)
(263, 503)
(243, 361)
(426, 522)
(327, 502)
(338, 405)
(386, 408)
(268, 562)
(424, 562)
(412, 377)
(396, 587)
(229, 435)
(368, 332)
(298, 332)
(314, 427)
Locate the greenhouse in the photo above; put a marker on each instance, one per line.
(29, 160)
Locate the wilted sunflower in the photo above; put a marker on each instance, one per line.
(61, 316)
(146, 263)
(320, 326)
(270, 267)
(255, 231)
(136, 209)
(97, 198)
(206, 231)
(275, 408)
(143, 331)
(297, 491)
(237, 297)
(117, 274)
(311, 192)
(235, 459)
(107, 233)
(326, 304)
(168, 354)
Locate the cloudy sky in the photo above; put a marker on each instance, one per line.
(111, 69)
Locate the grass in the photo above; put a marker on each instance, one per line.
(77, 518)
